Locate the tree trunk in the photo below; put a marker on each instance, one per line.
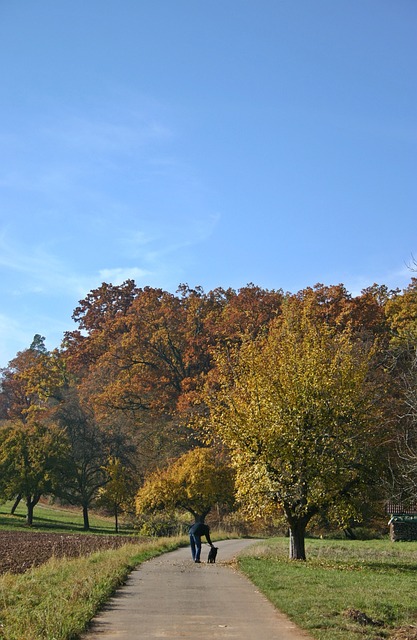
(297, 540)
(15, 504)
(29, 513)
(116, 519)
(85, 518)
(31, 503)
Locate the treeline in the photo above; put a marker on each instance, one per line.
(148, 376)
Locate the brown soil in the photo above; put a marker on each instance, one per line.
(21, 550)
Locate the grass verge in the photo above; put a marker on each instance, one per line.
(340, 581)
(57, 600)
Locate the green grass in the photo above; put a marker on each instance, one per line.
(57, 600)
(378, 578)
(59, 519)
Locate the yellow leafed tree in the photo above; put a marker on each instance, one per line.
(195, 482)
(301, 417)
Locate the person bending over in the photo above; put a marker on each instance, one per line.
(197, 530)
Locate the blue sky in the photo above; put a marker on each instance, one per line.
(210, 143)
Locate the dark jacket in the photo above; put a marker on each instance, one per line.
(200, 529)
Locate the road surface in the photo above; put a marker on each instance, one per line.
(172, 597)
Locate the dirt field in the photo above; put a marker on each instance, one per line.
(20, 550)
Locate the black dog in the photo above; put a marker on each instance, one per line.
(212, 555)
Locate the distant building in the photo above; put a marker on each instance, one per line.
(402, 522)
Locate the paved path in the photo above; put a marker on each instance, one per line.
(172, 597)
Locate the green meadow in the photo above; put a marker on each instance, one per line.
(347, 589)
(52, 518)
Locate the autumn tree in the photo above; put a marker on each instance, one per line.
(31, 455)
(134, 363)
(364, 313)
(142, 353)
(401, 313)
(119, 490)
(84, 471)
(30, 387)
(195, 483)
(300, 416)
(247, 311)
(15, 396)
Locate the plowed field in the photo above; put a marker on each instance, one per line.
(20, 550)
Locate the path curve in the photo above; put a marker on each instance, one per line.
(172, 597)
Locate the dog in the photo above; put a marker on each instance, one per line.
(212, 555)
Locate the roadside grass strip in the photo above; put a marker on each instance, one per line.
(57, 600)
(347, 590)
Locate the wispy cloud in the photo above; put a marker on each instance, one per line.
(12, 335)
(32, 269)
(73, 153)
(16, 334)
(399, 277)
(116, 133)
(110, 198)
(160, 240)
(121, 274)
